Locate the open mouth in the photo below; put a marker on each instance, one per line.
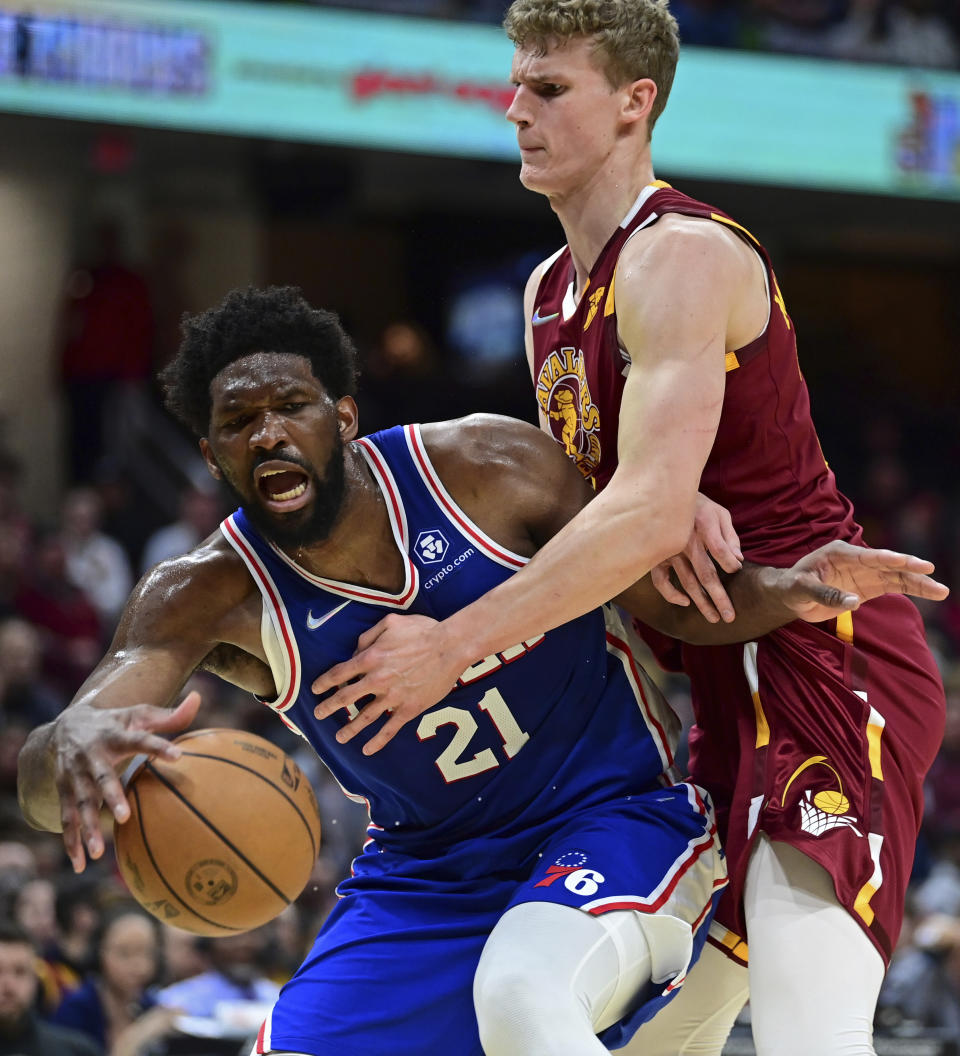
(283, 486)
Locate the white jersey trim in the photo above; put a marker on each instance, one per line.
(642, 198)
(418, 453)
(283, 654)
(660, 719)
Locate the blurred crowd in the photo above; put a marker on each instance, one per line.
(903, 32)
(75, 953)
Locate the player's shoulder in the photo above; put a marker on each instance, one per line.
(492, 451)
(684, 250)
(480, 441)
(212, 570)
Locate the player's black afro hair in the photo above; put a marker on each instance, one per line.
(275, 319)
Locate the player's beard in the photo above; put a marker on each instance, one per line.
(313, 523)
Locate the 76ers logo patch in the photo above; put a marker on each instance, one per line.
(564, 396)
(569, 868)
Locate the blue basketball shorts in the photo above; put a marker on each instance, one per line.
(392, 968)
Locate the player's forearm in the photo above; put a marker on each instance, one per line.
(36, 785)
(757, 595)
(610, 544)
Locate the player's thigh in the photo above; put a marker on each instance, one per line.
(811, 964)
(698, 1020)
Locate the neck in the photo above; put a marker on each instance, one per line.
(590, 214)
(360, 549)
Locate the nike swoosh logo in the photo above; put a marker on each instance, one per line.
(539, 320)
(313, 624)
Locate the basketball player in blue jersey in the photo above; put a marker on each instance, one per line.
(536, 879)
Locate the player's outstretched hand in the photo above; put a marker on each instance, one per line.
(713, 539)
(86, 747)
(401, 667)
(839, 577)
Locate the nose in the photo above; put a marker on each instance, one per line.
(518, 113)
(268, 432)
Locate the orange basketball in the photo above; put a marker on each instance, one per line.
(221, 840)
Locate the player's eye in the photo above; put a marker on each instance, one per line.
(236, 421)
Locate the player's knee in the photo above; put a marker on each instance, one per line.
(518, 1008)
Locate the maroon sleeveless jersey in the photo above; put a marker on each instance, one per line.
(766, 465)
(817, 734)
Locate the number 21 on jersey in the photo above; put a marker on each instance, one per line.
(451, 762)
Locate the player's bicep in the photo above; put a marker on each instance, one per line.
(673, 303)
(171, 621)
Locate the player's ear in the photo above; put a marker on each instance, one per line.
(348, 417)
(639, 99)
(209, 459)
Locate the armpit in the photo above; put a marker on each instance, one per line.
(235, 665)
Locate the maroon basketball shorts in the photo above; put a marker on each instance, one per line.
(820, 735)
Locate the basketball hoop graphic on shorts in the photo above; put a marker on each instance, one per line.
(823, 811)
(817, 821)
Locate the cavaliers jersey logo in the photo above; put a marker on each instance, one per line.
(564, 396)
(823, 809)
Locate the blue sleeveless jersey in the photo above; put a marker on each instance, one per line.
(557, 723)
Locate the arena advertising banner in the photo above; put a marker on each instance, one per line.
(389, 82)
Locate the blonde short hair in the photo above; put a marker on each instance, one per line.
(632, 38)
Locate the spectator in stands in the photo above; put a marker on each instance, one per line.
(184, 955)
(97, 564)
(710, 23)
(24, 696)
(14, 531)
(18, 864)
(107, 344)
(21, 1032)
(114, 1006)
(909, 32)
(942, 787)
(922, 987)
(70, 957)
(236, 974)
(67, 620)
(200, 513)
(797, 26)
(34, 911)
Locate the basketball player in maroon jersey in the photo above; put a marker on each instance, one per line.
(660, 326)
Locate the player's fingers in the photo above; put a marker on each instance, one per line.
(70, 824)
(709, 579)
(731, 539)
(824, 594)
(124, 743)
(723, 543)
(701, 597)
(369, 636)
(660, 577)
(384, 735)
(180, 716)
(111, 793)
(73, 845)
(86, 802)
(337, 675)
(921, 586)
(370, 712)
(891, 559)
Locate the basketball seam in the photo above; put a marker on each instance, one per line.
(166, 883)
(213, 828)
(273, 785)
